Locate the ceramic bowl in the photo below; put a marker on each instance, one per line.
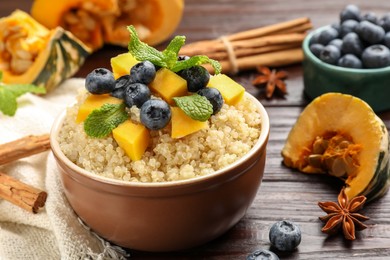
(166, 216)
(371, 85)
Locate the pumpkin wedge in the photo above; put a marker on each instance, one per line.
(340, 135)
(96, 22)
(31, 53)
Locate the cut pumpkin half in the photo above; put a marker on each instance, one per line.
(340, 135)
(96, 22)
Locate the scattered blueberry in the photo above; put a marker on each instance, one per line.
(330, 54)
(136, 94)
(143, 72)
(350, 61)
(352, 44)
(316, 49)
(327, 35)
(350, 12)
(370, 32)
(337, 43)
(262, 254)
(376, 56)
(214, 96)
(348, 26)
(197, 77)
(155, 114)
(121, 84)
(285, 235)
(100, 81)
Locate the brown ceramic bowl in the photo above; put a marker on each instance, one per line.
(164, 216)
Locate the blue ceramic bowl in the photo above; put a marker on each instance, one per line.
(371, 85)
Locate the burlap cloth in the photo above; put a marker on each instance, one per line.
(55, 232)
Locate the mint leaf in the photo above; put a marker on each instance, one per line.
(10, 92)
(169, 57)
(103, 120)
(196, 60)
(141, 51)
(195, 106)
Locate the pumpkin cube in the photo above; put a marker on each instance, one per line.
(168, 85)
(183, 125)
(93, 102)
(132, 138)
(122, 64)
(231, 91)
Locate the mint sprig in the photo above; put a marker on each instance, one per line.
(10, 92)
(195, 106)
(169, 57)
(103, 120)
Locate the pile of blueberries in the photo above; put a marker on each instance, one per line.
(358, 41)
(133, 89)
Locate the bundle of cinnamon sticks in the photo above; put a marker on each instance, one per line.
(13, 190)
(273, 46)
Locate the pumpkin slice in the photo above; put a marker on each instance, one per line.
(341, 135)
(37, 55)
(96, 22)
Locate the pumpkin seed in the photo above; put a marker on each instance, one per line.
(20, 66)
(338, 167)
(315, 160)
(320, 145)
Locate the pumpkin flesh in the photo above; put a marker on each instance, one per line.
(96, 22)
(341, 115)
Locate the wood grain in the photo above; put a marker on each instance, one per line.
(284, 193)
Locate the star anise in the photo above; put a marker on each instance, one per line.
(343, 214)
(272, 79)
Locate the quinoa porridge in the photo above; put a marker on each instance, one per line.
(231, 133)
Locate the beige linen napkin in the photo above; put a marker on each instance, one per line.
(55, 232)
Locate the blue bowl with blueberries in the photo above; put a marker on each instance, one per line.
(351, 57)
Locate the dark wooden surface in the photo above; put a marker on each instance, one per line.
(284, 193)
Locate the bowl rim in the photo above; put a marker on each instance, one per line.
(311, 56)
(262, 141)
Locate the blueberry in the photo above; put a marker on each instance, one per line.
(352, 44)
(371, 17)
(136, 94)
(370, 32)
(350, 61)
(143, 72)
(314, 38)
(336, 26)
(183, 57)
(337, 43)
(348, 26)
(386, 40)
(330, 54)
(327, 35)
(262, 254)
(285, 235)
(384, 22)
(100, 81)
(350, 12)
(376, 56)
(155, 114)
(316, 49)
(121, 84)
(214, 96)
(197, 77)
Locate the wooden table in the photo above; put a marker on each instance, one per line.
(284, 193)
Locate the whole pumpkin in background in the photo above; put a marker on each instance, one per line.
(96, 22)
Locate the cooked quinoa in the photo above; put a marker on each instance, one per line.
(231, 134)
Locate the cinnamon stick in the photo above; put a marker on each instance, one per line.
(23, 147)
(21, 194)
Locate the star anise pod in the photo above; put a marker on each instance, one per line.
(343, 215)
(272, 79)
